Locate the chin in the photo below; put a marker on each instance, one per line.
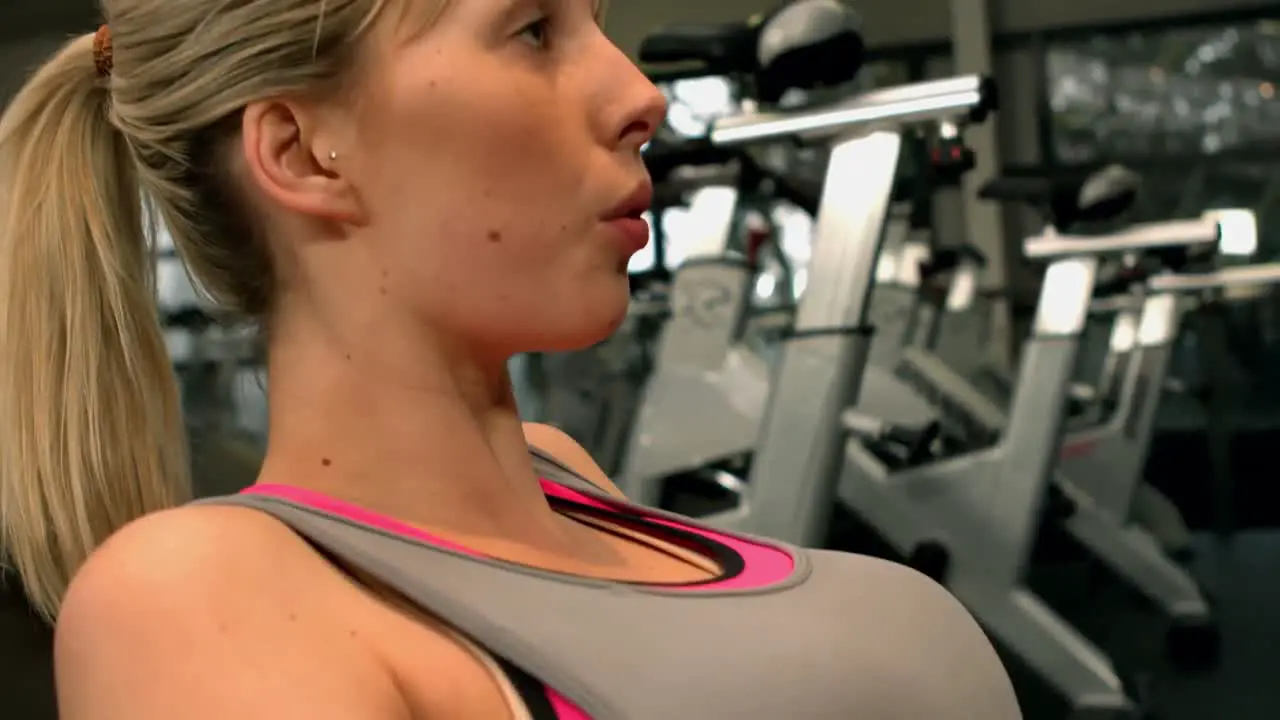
(595, 317)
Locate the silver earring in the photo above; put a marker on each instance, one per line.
(333, 156)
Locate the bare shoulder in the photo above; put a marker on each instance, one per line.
(208, 611)
(179, 555)
(934, 655)
(557, 443)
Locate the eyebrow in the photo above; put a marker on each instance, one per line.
(515, 6)
(512, 8)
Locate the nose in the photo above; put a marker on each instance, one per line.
(640, 107)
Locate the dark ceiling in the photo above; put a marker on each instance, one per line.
(21, 19)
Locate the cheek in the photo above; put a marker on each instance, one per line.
(490, 143)
(476, 192)
(480, 262)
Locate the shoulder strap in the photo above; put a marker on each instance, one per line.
(547, 466)
(478, 600)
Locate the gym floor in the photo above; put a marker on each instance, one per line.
(1241, 574)
(1241, 577)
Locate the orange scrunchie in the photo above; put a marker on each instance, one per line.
(103, 58)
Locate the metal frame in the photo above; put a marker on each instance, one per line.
(1101, 468)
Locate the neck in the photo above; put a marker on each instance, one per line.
(436, 442)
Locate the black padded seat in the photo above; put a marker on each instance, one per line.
(1102, 196)
(803, 44)
(808, 44)
(948, 258)
(726, 49)
(664, 157)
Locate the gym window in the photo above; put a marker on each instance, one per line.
(1189, 91)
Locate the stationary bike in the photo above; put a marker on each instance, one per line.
(971, 519)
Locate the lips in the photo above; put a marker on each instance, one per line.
(636, 204)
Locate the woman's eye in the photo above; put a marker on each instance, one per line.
(536, 32)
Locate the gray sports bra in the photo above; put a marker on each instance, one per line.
(780, 633)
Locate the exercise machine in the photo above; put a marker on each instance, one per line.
(976, 397)
(705, 379)
(975, 394)
(1103, 465)
(972, 519)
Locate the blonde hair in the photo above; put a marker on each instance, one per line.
(91, 432)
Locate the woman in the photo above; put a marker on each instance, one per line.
(405, 193)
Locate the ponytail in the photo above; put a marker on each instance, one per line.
(91, 433)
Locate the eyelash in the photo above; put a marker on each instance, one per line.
(542, 25)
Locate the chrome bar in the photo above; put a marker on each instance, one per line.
(1262, 274)
(1145, 236)
(963, 97)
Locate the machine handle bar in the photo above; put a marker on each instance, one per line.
(1249, 275)
(966, 98)
(1144, 236)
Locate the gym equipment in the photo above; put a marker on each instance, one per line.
(976, 390)
(593, 394)
(1104, 464)
(747, 366)
(803, 44)
(705, 379)
(971, 519)
(1104, 410)
(1104, 195)
(908, 294)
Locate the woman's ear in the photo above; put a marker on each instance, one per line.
(295, 163)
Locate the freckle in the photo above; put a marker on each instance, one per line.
(382, 289)
(431, 84)
(386, 274)
(326, 462)
(222, 627)
(563, 228)
(495, 236)
(353, 633)
(293, 617)
(348, 356)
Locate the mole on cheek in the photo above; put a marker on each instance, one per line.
(495, 236)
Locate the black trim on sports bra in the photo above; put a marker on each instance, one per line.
(730, 562)
(531, 691)
(553, 460)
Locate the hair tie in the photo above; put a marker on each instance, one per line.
(103, 58)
